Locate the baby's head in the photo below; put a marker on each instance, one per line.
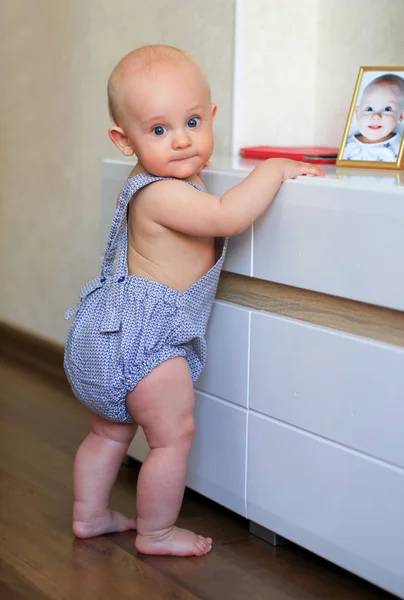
(381, 108)
(159, 100)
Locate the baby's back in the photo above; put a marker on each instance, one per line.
(156, 252)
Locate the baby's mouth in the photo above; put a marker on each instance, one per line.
(375, 127)
(181, 158)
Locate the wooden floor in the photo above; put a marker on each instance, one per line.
(41, 426)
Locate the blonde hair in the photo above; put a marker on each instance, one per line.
(138, 59)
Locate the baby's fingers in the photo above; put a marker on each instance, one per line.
(310, 169)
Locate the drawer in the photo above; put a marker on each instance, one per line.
(226, 371)
(238, 255)
(218, 456)
(343, 387)
(344, 506)
(239, 251)
(336, 239)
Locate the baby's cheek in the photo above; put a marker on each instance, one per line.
(362, 122)
(391, 122)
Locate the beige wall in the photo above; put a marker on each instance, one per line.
(357, 34)
(299, 61)
(55, 58)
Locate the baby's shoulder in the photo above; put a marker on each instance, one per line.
(164, 197)
(168, 188)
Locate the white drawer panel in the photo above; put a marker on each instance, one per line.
(239, 251)
(341, 505)
(342, 387)
(343, 241)
(226, 371)
(218, 456)
(238, 256)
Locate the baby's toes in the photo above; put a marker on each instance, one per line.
(204, 544)
(208, 548)
(199, 549)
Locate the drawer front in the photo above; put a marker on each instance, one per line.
(313, 239)
(238, 256)
(226, 371)
(218, 457)
(337, 503)
(239, 251)
(345, 388)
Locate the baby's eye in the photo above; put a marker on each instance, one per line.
(159, 130)
(193, 122)
(388, 109)
(368, 109)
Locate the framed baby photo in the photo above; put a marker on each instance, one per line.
(374, 132)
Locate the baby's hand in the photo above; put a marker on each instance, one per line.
(293, 168)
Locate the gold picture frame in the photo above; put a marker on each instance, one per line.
(358, 150)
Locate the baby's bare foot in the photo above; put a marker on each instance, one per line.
(175, 542)
(108, 522)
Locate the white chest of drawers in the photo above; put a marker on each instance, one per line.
(300, 427)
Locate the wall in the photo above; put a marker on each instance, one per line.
(298, 62)
(359, 33)
(296, 67)
(55, 58)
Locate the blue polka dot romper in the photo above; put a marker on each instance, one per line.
(126, 325)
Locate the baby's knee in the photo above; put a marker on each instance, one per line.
(186, 431)
(172, 434)
(181, 433)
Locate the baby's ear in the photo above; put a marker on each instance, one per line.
(121, 141)
(401, 119)
(214, 110)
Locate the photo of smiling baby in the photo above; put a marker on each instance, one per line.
(374, 132)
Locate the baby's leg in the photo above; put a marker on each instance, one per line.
(163, 404)
(95, 469)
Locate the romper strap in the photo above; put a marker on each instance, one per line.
(119, 221)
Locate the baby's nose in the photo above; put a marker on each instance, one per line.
(181, 140)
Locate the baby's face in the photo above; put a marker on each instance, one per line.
(168, 120)
(381, 108)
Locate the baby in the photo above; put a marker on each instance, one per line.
(137, 341)
(378, 114)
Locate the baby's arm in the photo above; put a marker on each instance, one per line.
(178, 206)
